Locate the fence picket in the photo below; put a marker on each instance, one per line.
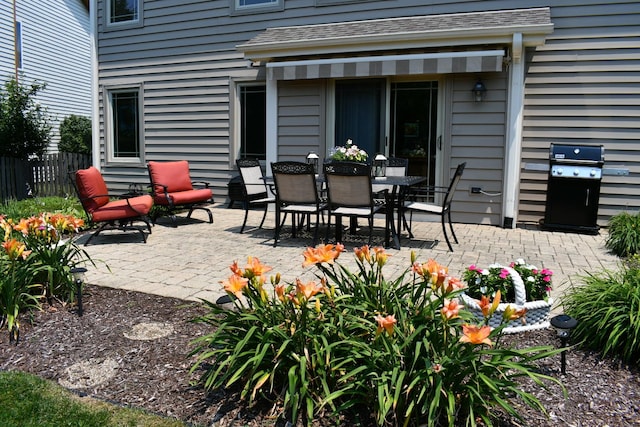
(45, 177)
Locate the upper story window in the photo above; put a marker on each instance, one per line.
(255, 6)
(123, 12)
(18, 45)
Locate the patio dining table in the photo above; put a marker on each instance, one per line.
(397, 186)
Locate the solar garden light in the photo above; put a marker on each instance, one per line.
(312, 158)
(564, 325)
(78, 280)
(380, 165)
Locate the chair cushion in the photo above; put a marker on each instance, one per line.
(175, 175)
(424, 207)
(120, 209)
(186, 197)
(90, 184)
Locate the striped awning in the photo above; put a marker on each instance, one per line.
(390, 65)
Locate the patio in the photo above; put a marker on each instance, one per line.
(189, 261)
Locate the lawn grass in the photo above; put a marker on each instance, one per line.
(27, 400)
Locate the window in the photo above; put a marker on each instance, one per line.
(253, 121)
(123, 11)
(255, 6)
(125, 130)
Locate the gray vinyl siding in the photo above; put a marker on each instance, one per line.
(301, 124)
(583, 87)
(477, 135)
(56, 46)
(6, 42)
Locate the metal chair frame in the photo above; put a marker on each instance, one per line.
(254, 189)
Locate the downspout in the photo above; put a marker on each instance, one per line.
(272, 121)
(513, 146)
(95, 110)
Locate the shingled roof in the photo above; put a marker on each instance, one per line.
(405, 29)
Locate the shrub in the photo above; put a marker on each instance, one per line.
(75, 135)
(606, 307)
(403, 350)
(624, 234)
(24, 124)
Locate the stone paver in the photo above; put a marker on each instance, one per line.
(190, 261)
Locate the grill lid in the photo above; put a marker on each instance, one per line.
(564, 153)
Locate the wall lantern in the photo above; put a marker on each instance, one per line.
(564, 325)
(479, 90)
(78, 281)
(312, 158)
(380, 165)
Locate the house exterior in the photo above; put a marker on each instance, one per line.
(51, 44)
(211, 81)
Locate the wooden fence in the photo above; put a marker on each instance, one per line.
(49, 176)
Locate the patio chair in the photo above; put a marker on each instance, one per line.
(350, 194)
(296, 193)
(101, 208)
(444, 210)
(255, 190)
(172, 189)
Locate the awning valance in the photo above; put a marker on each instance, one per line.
(390, 65)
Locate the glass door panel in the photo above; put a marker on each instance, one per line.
(359, 106)
(414, 130)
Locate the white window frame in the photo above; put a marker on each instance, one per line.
(267, 6)
(236, 119)
(130, 23)
(109, 126)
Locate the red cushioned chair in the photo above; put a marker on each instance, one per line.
(172, 188)
(100, 208)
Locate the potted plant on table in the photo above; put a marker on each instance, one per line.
(349, 153)
(520, 285)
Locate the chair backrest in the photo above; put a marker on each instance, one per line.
(295, 183)
(448, 198)
(174, 175)
(89, 183)
(397, 166)
(252, 179)
(348, 184)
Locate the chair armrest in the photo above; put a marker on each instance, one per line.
(205, 184)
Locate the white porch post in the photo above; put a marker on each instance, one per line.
(272, 123)
(514, 134)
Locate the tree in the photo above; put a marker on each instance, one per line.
(75, 135)
(25, 129)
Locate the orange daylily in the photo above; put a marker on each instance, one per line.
(511, 313)
(381, 255)
(454, 284)
(363, 253)
(15, 249)
(487, 307)
(475, 334)
(451, 309)
(280, 289)
(322, 253)
(308, 289)
(433, 271)
(235, 284)
(255, 268)
(386, 323)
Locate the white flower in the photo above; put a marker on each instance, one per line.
(520, 261)
(485, 272)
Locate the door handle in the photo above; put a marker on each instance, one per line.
(439, 141)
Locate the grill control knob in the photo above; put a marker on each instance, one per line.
(559, 171)
(593, 172)
(576, 172)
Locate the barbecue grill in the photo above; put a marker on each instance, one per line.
(573, 188)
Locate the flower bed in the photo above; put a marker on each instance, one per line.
(523, 287)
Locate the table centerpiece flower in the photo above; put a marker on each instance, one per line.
(349, 153)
